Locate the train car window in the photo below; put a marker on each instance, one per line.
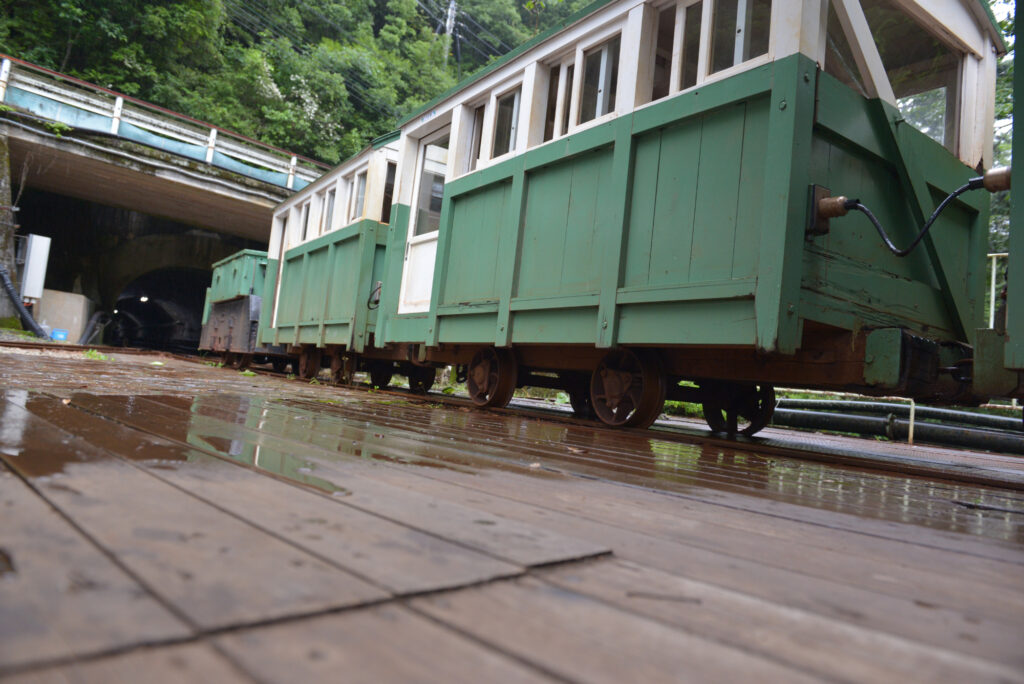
(663, 53)
(600, 78)
(478, 137)
(691, 45)
(551, 111)
(328, 218)
(359, 196)
(506, 122)
(839, 59)
(305, 221)
(923, 71)
(431, 190)
(389, 193)
(567, 97)
(740, 30)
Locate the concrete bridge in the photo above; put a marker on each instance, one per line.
(139, 176)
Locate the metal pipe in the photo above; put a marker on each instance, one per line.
(903, 410)
(897, 429)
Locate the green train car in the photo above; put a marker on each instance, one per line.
(647, 202)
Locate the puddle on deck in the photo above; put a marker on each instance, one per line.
(312, 434)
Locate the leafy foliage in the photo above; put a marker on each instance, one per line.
(320, 77)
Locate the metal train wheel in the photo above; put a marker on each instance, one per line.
(309, 363)
(628, 388)
(381, 373)
(279, 364)
(241, 361)
(421, 378)
(737, 408)
(492, 377)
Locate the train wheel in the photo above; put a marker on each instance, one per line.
(628, 388)
(241, 361)
(733, 409)
(492, 377)
(380, 373)
(280, 365)
(421, 378)
(309, 363)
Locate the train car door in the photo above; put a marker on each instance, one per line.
(421, 245)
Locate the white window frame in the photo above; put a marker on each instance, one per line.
(591, 41)
(425, 142)
(492, 106)
(353, 213)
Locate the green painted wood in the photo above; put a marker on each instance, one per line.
(238, 275)
(1013, 354)
(326, 285)
(511, 237)
(614, 191)
(700, 322)
(785, 203)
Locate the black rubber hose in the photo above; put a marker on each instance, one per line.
(90, 327)
(972, 184)
(27, 321)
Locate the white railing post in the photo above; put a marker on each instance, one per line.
(992, 297)
(5, 74)
(291, 173)
(210, 144)
(115, 125)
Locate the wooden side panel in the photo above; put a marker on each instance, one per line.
(474, 246)
(559, 227)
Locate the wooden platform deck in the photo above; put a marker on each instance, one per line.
(183, 522)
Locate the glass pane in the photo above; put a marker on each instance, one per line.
(839, 61)
(305, 221)
(568, 97)
(505, 123)
(478, 134)
(924, 72)
(389, 193)
(691, 46)
(328, 212)
(663, 52)
(357, 209)
(549, 115)
(431, 190)
(739, 31)
(600, 77)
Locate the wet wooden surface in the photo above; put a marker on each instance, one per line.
(184, 522)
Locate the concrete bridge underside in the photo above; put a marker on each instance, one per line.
(119, 173)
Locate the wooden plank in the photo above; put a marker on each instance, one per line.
(500, 537)
(923, 617)
(167, 665)
(581, 639)
(60, 597)
(376, 645)
(213, 568)
(400, 559)
(800, 639)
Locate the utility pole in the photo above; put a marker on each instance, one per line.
(449, 26)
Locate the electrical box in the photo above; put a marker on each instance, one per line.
(33, 274)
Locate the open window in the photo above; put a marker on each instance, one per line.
(923, 71)
(506, 122)
(389, 193)
(358, 196)
(304, 221)
(327, 215)
(600, 80)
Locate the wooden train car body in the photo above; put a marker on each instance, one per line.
(646, 176)
(322, 292)
(231, 312)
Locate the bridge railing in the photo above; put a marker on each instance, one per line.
(73, 102)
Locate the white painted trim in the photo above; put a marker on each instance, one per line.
(949, 21)
(865, 52)
(5, 75)
(533, 106)
(115, 122)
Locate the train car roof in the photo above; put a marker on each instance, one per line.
(980, 8)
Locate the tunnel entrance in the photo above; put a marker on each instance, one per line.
(162, 309)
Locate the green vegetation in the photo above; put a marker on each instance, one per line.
(11, 323)
(248, 373)
(318, 77)
(95, 355)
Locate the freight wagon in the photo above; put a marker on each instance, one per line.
(692, 200)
